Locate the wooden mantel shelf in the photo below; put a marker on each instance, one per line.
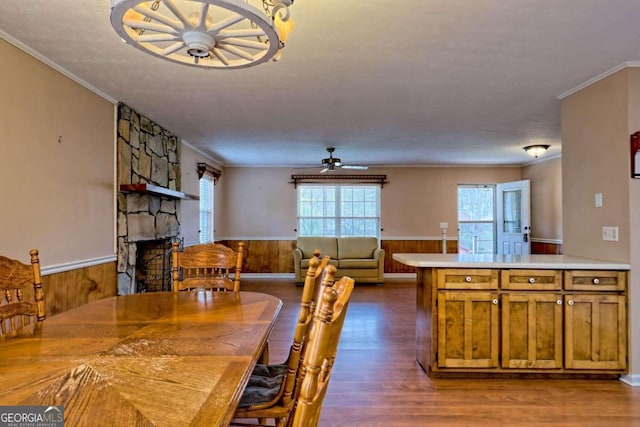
(157, 191)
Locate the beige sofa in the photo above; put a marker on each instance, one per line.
(357, 257)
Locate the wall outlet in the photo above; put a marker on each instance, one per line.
(610, 233)
(444, 225)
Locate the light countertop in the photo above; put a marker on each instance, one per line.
(506, 261)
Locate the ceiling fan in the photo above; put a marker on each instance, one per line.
(331, 163)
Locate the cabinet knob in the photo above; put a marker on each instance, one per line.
(570, 302)
(559, 302)
(495, 301)
(467, 279)
(596, 281)
(532, 280)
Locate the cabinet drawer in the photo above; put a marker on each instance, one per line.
(595, 280)
(535, 280)
(467, 278)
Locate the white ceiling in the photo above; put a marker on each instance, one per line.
(386, 83)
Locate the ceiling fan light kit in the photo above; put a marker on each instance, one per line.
(331, 163)
(214, 34)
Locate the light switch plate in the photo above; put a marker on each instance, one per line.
(598, 200)
(610, 233)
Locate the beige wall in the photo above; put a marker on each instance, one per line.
(595, 159)
(546, 198)
(634, 226)
(256, 203)
(417, 200)
(57, 197)
(596, 124)
(260, 203)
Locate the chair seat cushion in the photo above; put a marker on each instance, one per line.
(263, 386)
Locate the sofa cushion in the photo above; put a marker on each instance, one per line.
(304, 263)
(356, 247)
(358, 263)
(326, 246)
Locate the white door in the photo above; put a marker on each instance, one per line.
(513, 218)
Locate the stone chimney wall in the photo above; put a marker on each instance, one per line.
(149, 154)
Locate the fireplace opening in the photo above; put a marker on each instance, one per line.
(153, 266)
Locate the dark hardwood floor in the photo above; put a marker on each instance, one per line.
(377, 382)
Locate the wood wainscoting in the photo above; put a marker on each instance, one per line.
(265, 256)
(432, 246)
(276, 256)
(69, 289)
(546, 248)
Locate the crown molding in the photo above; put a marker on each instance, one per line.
(37, 55)
(628, 64)
(542, 159)
(217, 162)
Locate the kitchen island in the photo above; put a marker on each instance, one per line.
(540, 315)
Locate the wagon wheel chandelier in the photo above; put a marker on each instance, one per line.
(216, 34)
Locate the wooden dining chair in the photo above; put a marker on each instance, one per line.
(311, 292)
(16, 312)
(209, 266)
(320, 352)
(272, 389)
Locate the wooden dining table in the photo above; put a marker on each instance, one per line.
(160, 358)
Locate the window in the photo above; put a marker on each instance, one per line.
(206, 209)
(476, 214)
(339, 210)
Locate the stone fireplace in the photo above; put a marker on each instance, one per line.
(149, 197)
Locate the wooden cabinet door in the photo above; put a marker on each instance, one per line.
(532, 330)
(595, 332)
(467, 330)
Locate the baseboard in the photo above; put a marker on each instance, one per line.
(633, 380)
(269, 275)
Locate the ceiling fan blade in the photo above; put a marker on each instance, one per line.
(324, 170)
(362, 168)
